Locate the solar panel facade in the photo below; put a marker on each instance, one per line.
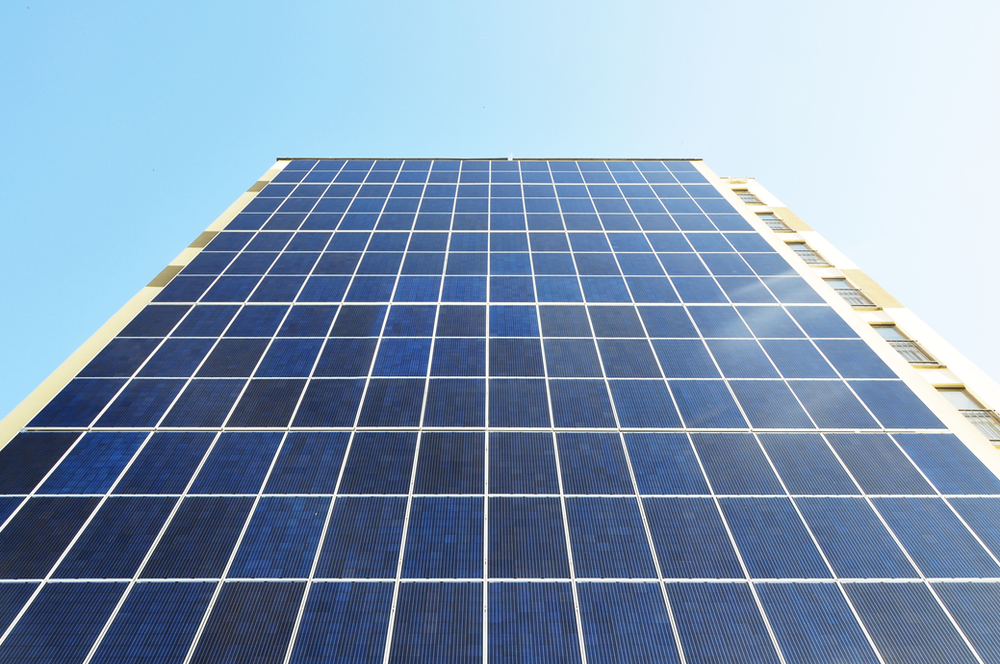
(504, 411)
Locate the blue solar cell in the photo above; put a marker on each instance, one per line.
(206, 320)
(923, 525)
(581, 403)
(456, 611)
(948, 463)
(527, 539)
(281, 539)
(370, 289)
(185, 289)
(199, 539)
(511, 289)
(706, 404)
(608, 538)
(94, 463)
(36, 536)
(572, 358)
(518, 403)
(558, 289)
(427, 241)
(464, 289)
(402, 357)
(665, 463)
(379, 462)
(13, 596)
(627, 359)
(719, 322)
(166, 463)
(330, 403)
(798, 359)
(605, 289)
(62, 623)
(513, 321)
(7, 506)
(363, 539)
(423, 263)
(854, 539)
(644, 404)
(553, 264)
(667, 322)
(233, 358)
(154, 321)
(116, 540)
(974, 607)
(119, 359)
(878, 465)
(626, 623)
(725, 264)
(467, 263)
(444, 539)
(531, 622)
(745, 290)
(29, 456)
(769, 404)
(516, 357)
(461, 321)
(346, 357)
(596, 264)
(772, 539)
(256, 321)
(392, 402)
(337, 262)
(854, 359)
(682, 265)
(459, 357)
(294, 263)
(690, 539)
(289, 357)
(565, 321)
(417, 289)
(267, 403)
(907, 624)
(821, 322)
(549, 241)
(410, 321)
(832, 405)
(308, 463)
(277, 289)
(813, 623)
(157, 622)
(616, 322)
(807, 465)
(741, 359)
(227, 289)
(895, 404)
(770, 322)
(593, 463)
(78, 403)
(308, 321)
(177, 358)
(260, 617)
(344, 622)
(237, 463)
(735, 464)
(229, 241)
(522, 462)
(450, 463)
(789, 290)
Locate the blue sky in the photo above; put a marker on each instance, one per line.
(127, 128)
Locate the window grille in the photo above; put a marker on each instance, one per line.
(986, 421)
(852, 295)
(912, 352)
(810, 256)
(747, 197)
(775, 224)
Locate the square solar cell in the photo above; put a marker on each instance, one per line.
(522, 462)
(572, 358)
(518, 403)
(522, 616)
(608, 539)
(665, 463)
(527, 539)
(706, 404)
(854, 539)
(204, 402)
(516, 357)
(644, 404)
(685, 358)
(459, 357)
(379, 463)
(772, 539)
(769, 404)
(444, 539)
(593, 463)
(798, 359)
(790, 290)
(281, 539)
(628, 358)
(78, 403)
(564, 321)
(346, 357)
(206, 320)
(177, 358)
(513, 321)
(878, 465)
(120, 358)
(807, 465)
(461, 321)
(94, 463)
(832, 405)
(612, 630)
(237, 463)
(363, 539)
(605, 289)
(267, 403)
(402, 357)
(690, 538)
(343, 620)
(581, 404)
(330, 403)
(392, 402)
(289, 358)
(719, 322)
(308, 462)
(165, 464)
(735, 464)
(154, 321)
(450, 463)
(256, 321)
(456, 609)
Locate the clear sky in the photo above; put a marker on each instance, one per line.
(126, 128)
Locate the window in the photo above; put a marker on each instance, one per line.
(982, 418)
(852, 295)
(911, 351)
(774, 223)
(810, 256)
(747, 197)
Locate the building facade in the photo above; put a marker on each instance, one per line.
(505, 411)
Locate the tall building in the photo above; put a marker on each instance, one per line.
(506, 411)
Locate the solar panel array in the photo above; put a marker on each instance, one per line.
(456, 411)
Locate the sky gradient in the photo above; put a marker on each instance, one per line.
(127, 129)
